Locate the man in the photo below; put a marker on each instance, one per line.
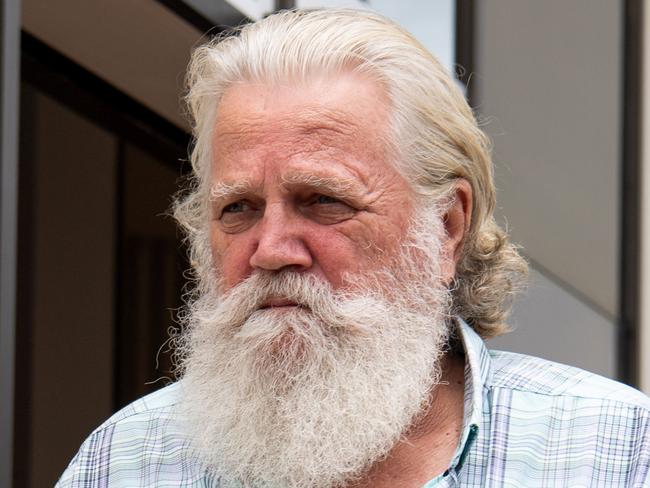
(348, 265)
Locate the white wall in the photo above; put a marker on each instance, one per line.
(548, 83)
(432, 22)
(551, 323)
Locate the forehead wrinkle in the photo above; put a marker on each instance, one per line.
(327, 120)
(231, 132)
(310, 120)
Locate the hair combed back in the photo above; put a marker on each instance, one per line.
(435, 137)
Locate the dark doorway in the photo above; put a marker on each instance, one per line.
(100, 262)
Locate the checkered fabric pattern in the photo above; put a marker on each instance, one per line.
(527, 423)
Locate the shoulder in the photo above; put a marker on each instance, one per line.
(561, 419)
(528, 374)
(141, 440)
(569, 425)
(544, 400)
(150, 406)
(140, 419)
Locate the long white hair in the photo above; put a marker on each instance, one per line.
(435, 138)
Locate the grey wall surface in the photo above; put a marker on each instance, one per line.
(142, 48)
(551, 323)
(548, 85)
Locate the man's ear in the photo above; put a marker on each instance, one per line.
(457, 221)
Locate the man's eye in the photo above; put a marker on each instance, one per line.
(327, 210)
(238, 216)
(236, 207)
(325, 200)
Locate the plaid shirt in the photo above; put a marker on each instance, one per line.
(527, 423)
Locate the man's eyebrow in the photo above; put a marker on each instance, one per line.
(224, 191)
(334, 185)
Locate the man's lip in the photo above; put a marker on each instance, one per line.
(279, 302)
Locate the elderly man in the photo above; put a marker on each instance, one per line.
(348, 266)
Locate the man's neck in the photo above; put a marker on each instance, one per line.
(431, 443)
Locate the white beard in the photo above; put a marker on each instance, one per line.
(314, 396)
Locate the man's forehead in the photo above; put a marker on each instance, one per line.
(315, 120)
(336, 104)
(338, 125)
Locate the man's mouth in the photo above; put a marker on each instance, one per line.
(279, 303)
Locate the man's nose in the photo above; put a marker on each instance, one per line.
(280, 242)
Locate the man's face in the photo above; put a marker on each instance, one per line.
(323, 342)
(302, 180)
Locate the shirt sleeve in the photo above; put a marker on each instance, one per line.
(90, 466)
(640, 466)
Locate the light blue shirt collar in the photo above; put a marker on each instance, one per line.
(477, 370)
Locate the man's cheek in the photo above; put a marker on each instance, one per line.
(231, 267)
(226, 252)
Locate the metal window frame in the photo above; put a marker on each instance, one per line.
(9, 106)
(629, 319)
